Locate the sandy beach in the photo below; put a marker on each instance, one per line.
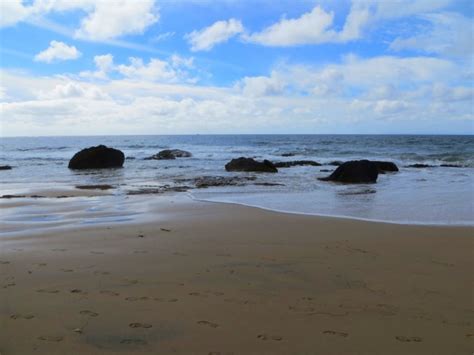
(207, 278)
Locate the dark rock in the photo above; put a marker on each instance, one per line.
(158, 190)
(94, 187)
(420, 166)
(213, 181)
(335, 163)
(249, 164)
(268, 184)
(288, 164)
(5, 167)
(384, 166)
(130, 158)
(325, 170)
(288, 154)
(354, 172)
(169, 154)
(99, 157)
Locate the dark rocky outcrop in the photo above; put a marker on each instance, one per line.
(289, 164)
(288, 154)
(384, 166)
(354, 172)
(335, 163)
(5, 167)
(99, 157)
(420, 166)
(249, 164)
(169, 154)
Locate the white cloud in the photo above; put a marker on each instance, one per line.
(175, 69)
(12, 11)
(120, 17)
(262, 85)
(317, 26)
(104, 19)
(219, 32)
(57, 51)
(309, 28)
(449, 34)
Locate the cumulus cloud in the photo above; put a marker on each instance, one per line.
(317, 26)
(120, 17)
(175, 69)
(103, 19)
(219, 32)
(57, 51)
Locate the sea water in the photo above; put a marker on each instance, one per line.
(434, 195)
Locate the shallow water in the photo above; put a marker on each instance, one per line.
(438, 195)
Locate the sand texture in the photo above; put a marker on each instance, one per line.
(210, 278)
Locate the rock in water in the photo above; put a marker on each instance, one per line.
(5, 167)
(100, 157)
(385, 166)
(289, 164)
(355, 172)
(249, 164)
(169, 154)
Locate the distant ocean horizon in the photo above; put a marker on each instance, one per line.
(442, 193)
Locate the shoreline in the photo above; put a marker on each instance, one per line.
(146, 215)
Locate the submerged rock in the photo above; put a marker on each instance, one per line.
(384, 166)
(99, 157)
(5, 167)
(335, 163)
(169, 154)
(249, 164)
(452, 166)
(420, 166)
(213, 181)
(288, 154)
(94, 187)
(289, 164)
(355, 172)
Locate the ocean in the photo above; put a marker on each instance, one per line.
(434, 195)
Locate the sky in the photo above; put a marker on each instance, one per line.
(114, 67)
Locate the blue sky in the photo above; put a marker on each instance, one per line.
(73, 67)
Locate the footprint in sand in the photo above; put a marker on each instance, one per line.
(406, 339)
(22, 316)
(40, 264)
(47, 290)
(215, 293)
(133, 342)
(109, 293)
(11, 284)
(76, 290)
(140, 252)
(89, 313)
(67, 270)
(333, 332)
(4, 262)
(132, 282)
(223, 254)
(197, 294)
(159, 299)
(97, 252)
(209, 324)
(165, 230)
(143, 298)
(140, 236)
(51, 338)
(269, 337)
(140, 325)
(58, 249)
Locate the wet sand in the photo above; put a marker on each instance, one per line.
(208, 278)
